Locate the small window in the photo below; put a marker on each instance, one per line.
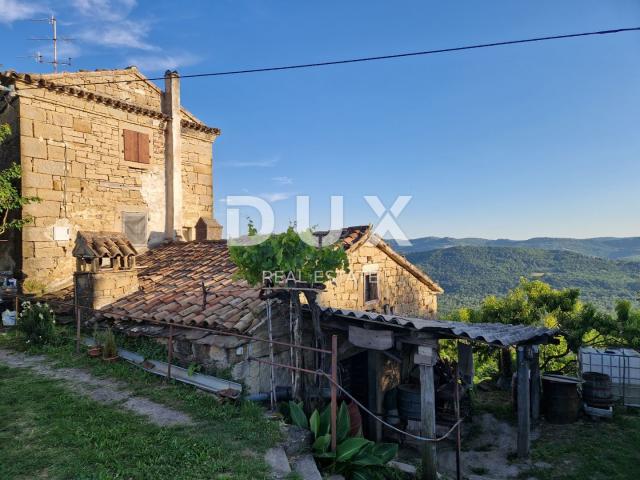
(136, 147)
(370, 287)
(134, 226)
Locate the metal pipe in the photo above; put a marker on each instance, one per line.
(334, 392)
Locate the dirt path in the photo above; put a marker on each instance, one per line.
(99, 389)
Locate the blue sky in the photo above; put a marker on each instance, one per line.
(519, 141)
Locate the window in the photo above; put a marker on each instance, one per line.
(136, 147)
(370, 287)
(134, 226)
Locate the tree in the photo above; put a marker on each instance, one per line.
(285, 261)
(581, 324)
(10, 198)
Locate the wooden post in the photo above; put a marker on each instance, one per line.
(426, 359)
(170, 352)
(76, 312)
(535, 383)
(524, 402)
(457, 410)
(334, 392)
(374, 393)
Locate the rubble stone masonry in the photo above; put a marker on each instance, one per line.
(399, 291)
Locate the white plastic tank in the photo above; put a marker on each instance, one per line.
(623, 367)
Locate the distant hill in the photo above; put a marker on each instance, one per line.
(470, 273)
(612, 248)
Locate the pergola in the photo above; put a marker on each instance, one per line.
(378, 333)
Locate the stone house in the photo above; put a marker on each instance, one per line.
(380, 279)
(105, 151)
(193, 284)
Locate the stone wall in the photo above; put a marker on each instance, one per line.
(97, 289)
(398, 290)
(73, 159)
(10, 255)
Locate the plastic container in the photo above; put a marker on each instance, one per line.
(9, 318)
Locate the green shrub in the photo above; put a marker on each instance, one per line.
(356, 458)
(109, 347)
(36, 323)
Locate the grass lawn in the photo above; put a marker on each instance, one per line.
(586, 449)
(47, 431)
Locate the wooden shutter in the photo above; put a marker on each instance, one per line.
(130, 146)
(143, 148)
(136, 147)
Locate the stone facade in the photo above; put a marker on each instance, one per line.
(72, 155)
(399, 290)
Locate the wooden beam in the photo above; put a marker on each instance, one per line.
(371, 339)
(535, 383)
(524, 402)
(426, 357)
(374, 364)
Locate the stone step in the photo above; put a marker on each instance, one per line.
(305, 466)
(277, 459)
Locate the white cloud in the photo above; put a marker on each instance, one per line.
(271, 162)
(125, 33)
(284, 180)
(12, 10)
(276, 196)
(160, 63)
(105, 10)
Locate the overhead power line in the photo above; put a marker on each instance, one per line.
(374, 58)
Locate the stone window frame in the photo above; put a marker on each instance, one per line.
(122, 126)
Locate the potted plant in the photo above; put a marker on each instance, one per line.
(109, 347)
(96, 350)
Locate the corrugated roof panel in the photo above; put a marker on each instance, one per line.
(498, 334)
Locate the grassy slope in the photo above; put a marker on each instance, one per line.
(49, 432)
(468, 274)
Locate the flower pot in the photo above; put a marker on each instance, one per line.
(95, 352)
(110, 359)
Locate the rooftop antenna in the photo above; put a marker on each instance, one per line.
(54, 27)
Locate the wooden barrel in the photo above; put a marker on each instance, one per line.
(561, 402)
(596, 389)
(409, 401)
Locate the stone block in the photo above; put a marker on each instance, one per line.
(48, 166)
(60, 119)
(32, 113)
(37, 180)
(33, 147)
(47, 131)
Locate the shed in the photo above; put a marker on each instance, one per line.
(417, 339)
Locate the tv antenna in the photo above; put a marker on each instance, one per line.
(54, 28)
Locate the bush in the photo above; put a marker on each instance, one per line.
(36, 323)
(109, 347)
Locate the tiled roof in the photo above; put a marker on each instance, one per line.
(102, 244)
(171, 279)
(45, 81)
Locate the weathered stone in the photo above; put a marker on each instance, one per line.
(33, 147)
(277, 460)
(306, 467)
(298, 440)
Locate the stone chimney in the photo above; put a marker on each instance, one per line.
(173, 156)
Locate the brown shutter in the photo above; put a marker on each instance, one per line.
(143, 148)
(130, 146)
